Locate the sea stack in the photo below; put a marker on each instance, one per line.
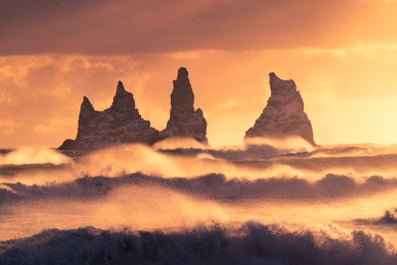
(284, 114)
(121, 123)
(184, 120)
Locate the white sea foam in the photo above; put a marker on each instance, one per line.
(307, 206)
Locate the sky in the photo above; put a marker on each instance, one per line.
(341, 54)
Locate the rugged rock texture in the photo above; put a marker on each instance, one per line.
(121, 123)
(284, 114)
(184, 120)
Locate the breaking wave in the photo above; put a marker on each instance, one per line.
(251, 243)
(212, 186)
(134, 204)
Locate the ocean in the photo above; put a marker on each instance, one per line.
(135, 204)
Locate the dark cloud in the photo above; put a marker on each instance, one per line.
(131, 26)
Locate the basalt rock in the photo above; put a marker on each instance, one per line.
(184, 120)
(121, 123)
(284, 114)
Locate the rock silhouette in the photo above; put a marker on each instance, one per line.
(184, 120)
(121, 123)
(284, 114)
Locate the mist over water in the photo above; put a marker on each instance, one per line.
(181, 203)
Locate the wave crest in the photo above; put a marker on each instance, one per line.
(251, 243)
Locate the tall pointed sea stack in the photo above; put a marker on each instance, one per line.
(284, 114)
(184, 120)
(121, 123)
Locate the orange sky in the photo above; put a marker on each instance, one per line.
(342, 56)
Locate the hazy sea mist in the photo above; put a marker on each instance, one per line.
(171, 205)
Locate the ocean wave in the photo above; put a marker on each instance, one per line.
(212, 186)
(251, 243)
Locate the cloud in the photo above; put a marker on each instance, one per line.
(132, 26)
(42, 94)
(228, 104)
(344, 106)
(54, 124)
(7, 127)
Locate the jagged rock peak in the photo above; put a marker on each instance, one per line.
(184, 120)
(86, 103)
(120, 88)
(121, 123)
(182, 97)
(86, 109)
(279, 86)
(123, 101)
(183, 74)
(284, 114)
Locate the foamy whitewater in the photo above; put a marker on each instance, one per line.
(166, 204)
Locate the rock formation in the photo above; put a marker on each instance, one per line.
(184, 120)
(121, 123)
(284, 114)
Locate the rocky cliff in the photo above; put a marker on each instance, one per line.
(284, 114)
(121, 123)
(184, 120)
